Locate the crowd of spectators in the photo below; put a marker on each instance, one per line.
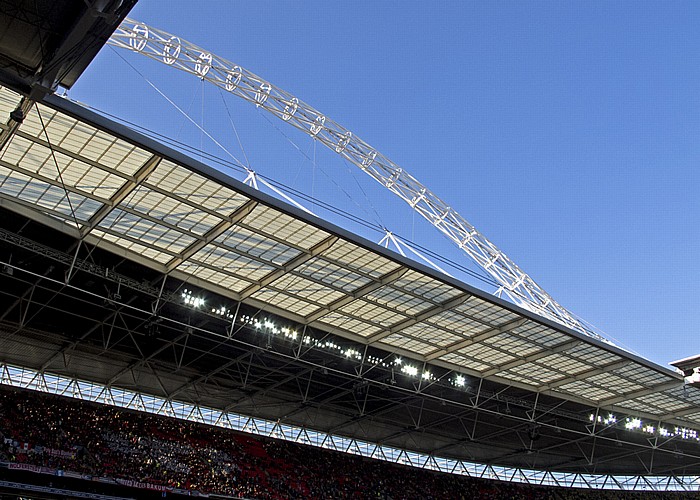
(102, 441)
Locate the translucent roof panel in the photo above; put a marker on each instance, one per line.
(593, 356)
(284, 227)
(8, 101)
(215, 276)
(349, 255)
(372, 313)
(540, 334)
(490, 355)
(513, 344)
(146, 231)
(609, 379)
(437, 336)
(52, 199)
(170, 211)
(458, 323)
(664, 402)
(564, 364)
(591, 391)
(195, 189)
(537, 372)
(394, 298)
(350, 324)
(257, 246)
(306, 289)
(487, 312)
(332, 274)
(134, 246)
(286, 301)
(426, 287)
(37, 160)
(83, 142)
(233, 263)
(463, 361)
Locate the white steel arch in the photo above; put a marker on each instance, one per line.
(173, 51)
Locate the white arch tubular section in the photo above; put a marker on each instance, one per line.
(26, 378)
(180, 54)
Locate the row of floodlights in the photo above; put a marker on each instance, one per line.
(636, 424)
(198, 303)
(397, 363)
(270, 327)
(191, 300)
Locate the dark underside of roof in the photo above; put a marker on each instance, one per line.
(44, 43)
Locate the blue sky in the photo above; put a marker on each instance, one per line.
(566, 132)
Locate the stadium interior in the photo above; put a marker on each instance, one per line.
(127, 266)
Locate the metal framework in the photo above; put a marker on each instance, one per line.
(134, 400)
(177, 53)
(136, 223)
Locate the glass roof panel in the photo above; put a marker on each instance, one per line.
(347, 254)
(485, 311)
(257, 245)
(455, 322)
(347, 323)
(306, 289)
(222, 279)
(231, 262)
(196, 189)
(285, 301)
(284, 227)
(393, 298)
(8, 101)
(370, 312)
(517, 346)
(587, 390)
(146, 231)
(170, 211)
(332, 274)
(134, 247)
(426, 287)
(535, 371)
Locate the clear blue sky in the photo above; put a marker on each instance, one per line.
(566, 132)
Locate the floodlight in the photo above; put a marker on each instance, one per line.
(633, 423)
(410, 370)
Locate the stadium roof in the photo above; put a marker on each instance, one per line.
(105, 186)
(192, 223)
